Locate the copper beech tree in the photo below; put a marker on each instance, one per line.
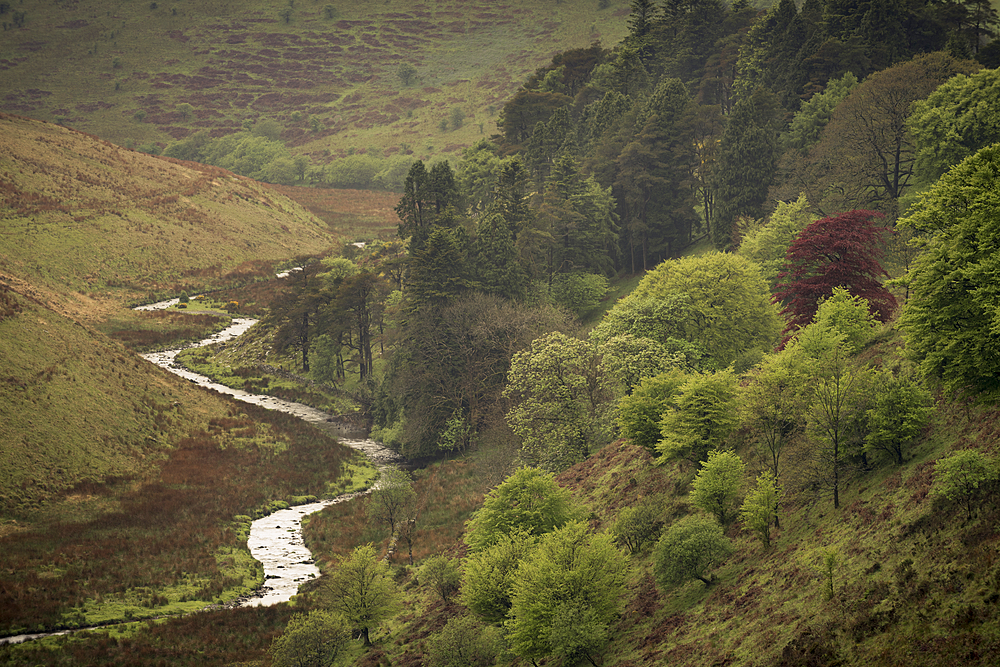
(839, 251)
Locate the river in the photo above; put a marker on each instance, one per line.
(275, 540)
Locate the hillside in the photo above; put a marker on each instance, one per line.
(329, 74)
(82, 217)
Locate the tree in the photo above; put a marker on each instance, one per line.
(314, 639)
(760, 507)
(700, 418)
(442, 575)
(840, 401)
(962, 476)
(528, 501)
(950, 320)
(841, 251)
(629, 360)
(639, 415)
(870, 151)
(808, 122)
(566, 594)
(406, 73)
(748, 155)
(901, 409)
(392, 500)
(488, 575)
(689, 549)
(560, 397)
(361, 588)
(848, 315)
(768, 243)
(718, 485)
(954, 122)
(718, 301)
(636, 526)
(464, 642)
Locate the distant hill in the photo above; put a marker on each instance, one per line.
(337, 77)
(83, 218)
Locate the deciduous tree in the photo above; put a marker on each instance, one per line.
(361, 588)
(841, 251)
(393, 499)
(951, 320)
(700, 417)
(528, 501)
(689, 549)
(567, 593)
(901, 408)
(964, 475)
(313, 639)
(719, 484)
(760, 507)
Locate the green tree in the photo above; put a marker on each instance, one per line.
(955, 121)
(579, 292)
(900, 410)
(560, 399)
(689, 549)
(636, 526)
(950, 320)
(719, 301)
(442, 575)
(406, 73)
(767, 244)
(808, 122)
(848, 315)
(719, 484)
(528, 501)
(837, 416)
(964, 475)
(488, 575)
(700, 418)
(393, 499)
(566, 595)
(772, 405)
(629, 360)
(760, 507)
(748, 155)
(313, 639)
(464, 642)
(639, 414)
(361, 587)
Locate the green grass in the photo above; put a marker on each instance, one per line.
(94, 68)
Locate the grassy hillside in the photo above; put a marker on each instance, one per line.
(82, 216)
(328, 73)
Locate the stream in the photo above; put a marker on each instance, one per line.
(275, 540)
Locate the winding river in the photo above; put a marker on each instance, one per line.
(275, 540)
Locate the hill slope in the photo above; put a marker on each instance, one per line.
(119, 70)
(80, 215)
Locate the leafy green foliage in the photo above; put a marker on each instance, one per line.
(689, 549)
(560, 398)
(718, 301)
(760, 507)
(528, 501)
(629, 360)
(773, 403)
(566, 594)
(950, 320)
(955, 121)
(464, 642)
(719, 484)
(639, 415)
(442, 575)
(768, 243)
(900, 410)
(636, 526)
(700, 418)
(849, 316)
(362, 588)
(488, 575)
(313, 639)
(965, 475)
(814, 114)
(579, 292)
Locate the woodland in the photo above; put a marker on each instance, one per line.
(697, 358)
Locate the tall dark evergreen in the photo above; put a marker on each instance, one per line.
(748, 156)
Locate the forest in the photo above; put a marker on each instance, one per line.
(714, 318)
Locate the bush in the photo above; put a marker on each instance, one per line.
(464, 642)
(442, 575)
(963, 476)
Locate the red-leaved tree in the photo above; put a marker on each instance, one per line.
(839, 251)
